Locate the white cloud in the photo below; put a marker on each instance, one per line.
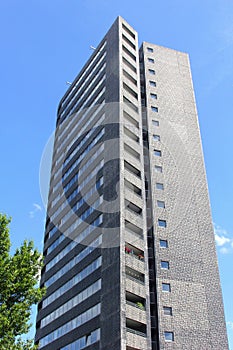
(230, 324)
(223, 239)
(37, 208)
(224, 250)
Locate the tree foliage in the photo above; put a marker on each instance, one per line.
(19, 290)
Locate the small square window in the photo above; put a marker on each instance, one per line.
(154, 109)
(167, 310)
(162, 223)
(151, 71)
(159, 186)
(155, 122)
(149, 49)
(150, 60)
(158, 169)
(163, 243)
(156, 137)
(164, 265)
(157, 153)
(161, 204)
(169, 336)
(166, 287)
(154, 96)
(152, 83)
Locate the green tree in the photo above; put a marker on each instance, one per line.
(19, 289)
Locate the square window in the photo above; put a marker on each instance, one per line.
(167, 310)
(162, 223)
(155, 122)
(169, 336)
(157, 153)
(151, 71)
(149, 49)
(156, 137)
(166, 287)
(154, 109)
(164, 265)
(158, 169)
(150, 60)
(163, 243)
(152, 83)
(154, 96)
(161, 204)
(159, 186)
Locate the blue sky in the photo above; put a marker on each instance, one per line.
(45, 43)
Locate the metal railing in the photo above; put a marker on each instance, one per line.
(130, 330)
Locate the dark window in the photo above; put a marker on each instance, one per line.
(151, 71)
(163, 243)
(164, 264)
(169, 336)
(156, 137)
(167, 310)
(166, 287)
(154, 96)
(149, 49)
(128, 30)
(151, 60)
(159, 186)
(154, 109)
(158, 169)
(152, 83)
(162, 223)
(161, 204)
(155, 122)
(157, 153)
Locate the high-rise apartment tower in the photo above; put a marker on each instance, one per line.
(130, 260)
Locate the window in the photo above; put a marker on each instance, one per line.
(166, 287)
(167, 310)
(128, 31)
(155, 122)
(154, 109)
(129, 42)
(162, 223)
(149, 49)
(163, 243)
(129, 53)
(157, 153)
(159, 186)
(158, 169)
(156, 137)
(161, 204)
(152, 83)
(150, 60)
(164, 265)
(169, 336)
(154, 96)
(151, 71)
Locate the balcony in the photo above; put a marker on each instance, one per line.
(134, 258)
(136, 311)
(136, 336)
(133, 208)
(133, 286)
(135, 275)
(134, 239)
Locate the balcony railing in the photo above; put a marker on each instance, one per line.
(134, 255)
(139, 235)
(130, 330)
(137, 305)
(135, 279)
